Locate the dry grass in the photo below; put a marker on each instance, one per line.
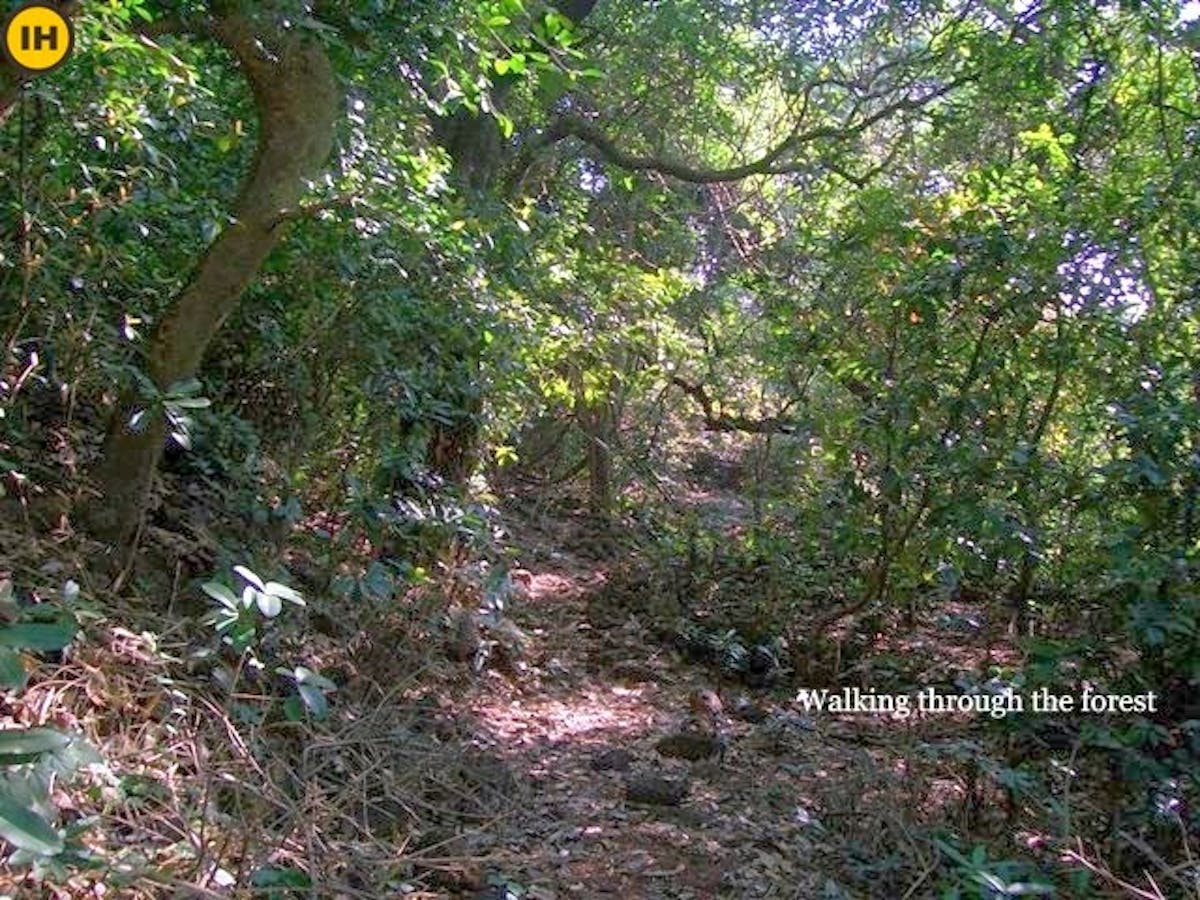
(202, 787)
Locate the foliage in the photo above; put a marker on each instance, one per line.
(32, 758)
(979, 877)
(925, 273)
(241, 622)
(238, 618)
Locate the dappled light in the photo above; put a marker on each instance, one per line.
(618, 712)
(537, 449)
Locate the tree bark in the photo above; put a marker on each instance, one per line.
(453, 450)
(296, 98)
(597, 422)
(1028, 484)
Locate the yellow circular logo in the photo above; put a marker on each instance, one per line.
(37, 38)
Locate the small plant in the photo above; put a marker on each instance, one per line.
(976, 877)
(31, 758)
(174, 403)
(310, 698)
(46, 628)
(239, 618)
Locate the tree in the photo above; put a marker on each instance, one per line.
(296, 99)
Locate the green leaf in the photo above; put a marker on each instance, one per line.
(293, 709)
(282, 591)
(242, 636)
(12, 669)
(191, 403)
(268, 604)
(305, 675)
(25, 829)
(377, 582)
(186, 387)
(314, 699)
(292, 878)
(250, 577)
(39, 635)
(21, 745)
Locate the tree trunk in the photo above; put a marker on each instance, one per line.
(453, 450)
(296, 98)
(595, 419)
(478, 155)
(599, 433)
(472, 139)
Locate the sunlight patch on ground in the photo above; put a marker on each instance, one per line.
(593, 714)
(546, 586)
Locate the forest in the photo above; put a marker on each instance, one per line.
(531, 449)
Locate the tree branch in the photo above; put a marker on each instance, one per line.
(773, 162)
(714, 420)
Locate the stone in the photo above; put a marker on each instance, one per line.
(691, 745)
(655, 790)
(614, 759)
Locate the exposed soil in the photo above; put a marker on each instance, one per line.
(795, 799)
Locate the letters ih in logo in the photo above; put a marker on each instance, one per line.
(37, 38)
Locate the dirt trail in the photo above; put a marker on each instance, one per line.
(744, 830)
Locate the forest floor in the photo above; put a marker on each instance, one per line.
(525, 779)
(802, 805)
(745, 827)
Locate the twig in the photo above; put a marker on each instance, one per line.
(1108, 876)
(1161, 864)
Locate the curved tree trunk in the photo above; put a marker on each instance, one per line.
(296, 98)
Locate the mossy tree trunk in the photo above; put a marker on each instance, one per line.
(296, 99)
